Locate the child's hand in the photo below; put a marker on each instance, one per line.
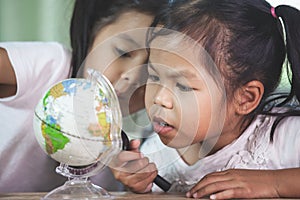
(236, 183)
(134, 170)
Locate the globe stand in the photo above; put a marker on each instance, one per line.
(78, 187)
(78, 123)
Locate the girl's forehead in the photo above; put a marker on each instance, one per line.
(178, 51)
(173, 41)
(177, 43)
(174, 65)
(130, 20)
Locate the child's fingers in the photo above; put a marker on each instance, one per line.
(145, 184)
(123, 158)
(135, 166)
(150, 168)
(126, 156)
(139, 182)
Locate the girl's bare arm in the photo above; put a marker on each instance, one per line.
(8, 83)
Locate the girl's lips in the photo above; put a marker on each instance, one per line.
(160, 126)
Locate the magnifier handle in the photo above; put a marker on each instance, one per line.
(159, 181)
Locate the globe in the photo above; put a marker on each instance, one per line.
(78, 123)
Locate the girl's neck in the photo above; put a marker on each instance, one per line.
(234, 130)
(190, 155)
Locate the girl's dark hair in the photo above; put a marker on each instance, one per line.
(90, 16)
(246, 42)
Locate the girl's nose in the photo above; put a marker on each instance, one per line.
(164, 98)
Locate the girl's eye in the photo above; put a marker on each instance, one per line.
(183, 87)
(123, 53)
(153, 78)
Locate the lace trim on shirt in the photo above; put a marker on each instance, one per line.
(254, 156)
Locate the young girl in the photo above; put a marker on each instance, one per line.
(28, 69)
(230, 137)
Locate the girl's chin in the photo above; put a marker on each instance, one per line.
(165, 140)
(171, 142)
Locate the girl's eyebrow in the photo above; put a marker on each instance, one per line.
(186, 73)
(129, 39)
(179, 73)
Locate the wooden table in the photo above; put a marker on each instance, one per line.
(115, 195)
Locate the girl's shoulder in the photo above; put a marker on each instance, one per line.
(284, 127)
(289, 124)
(37, 54)
(287, 131)
(281, 150)
(33, 46)
(37, 65)
(256, 149)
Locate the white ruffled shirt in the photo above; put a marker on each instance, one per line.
(23, 164)
(252, 150)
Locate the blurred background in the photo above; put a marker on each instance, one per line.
(48, 20)
(30, 20)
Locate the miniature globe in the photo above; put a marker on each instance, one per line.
(78, 121)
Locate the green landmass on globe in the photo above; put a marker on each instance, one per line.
(75, 137)
(54, 139)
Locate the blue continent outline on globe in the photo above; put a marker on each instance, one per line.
(70, 141)
(51, 129)
(76, 122)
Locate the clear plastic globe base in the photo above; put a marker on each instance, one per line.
(78, 186)
(78, 123)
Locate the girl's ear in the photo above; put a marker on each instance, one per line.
(248, 97)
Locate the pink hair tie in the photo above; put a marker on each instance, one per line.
(273, 12)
